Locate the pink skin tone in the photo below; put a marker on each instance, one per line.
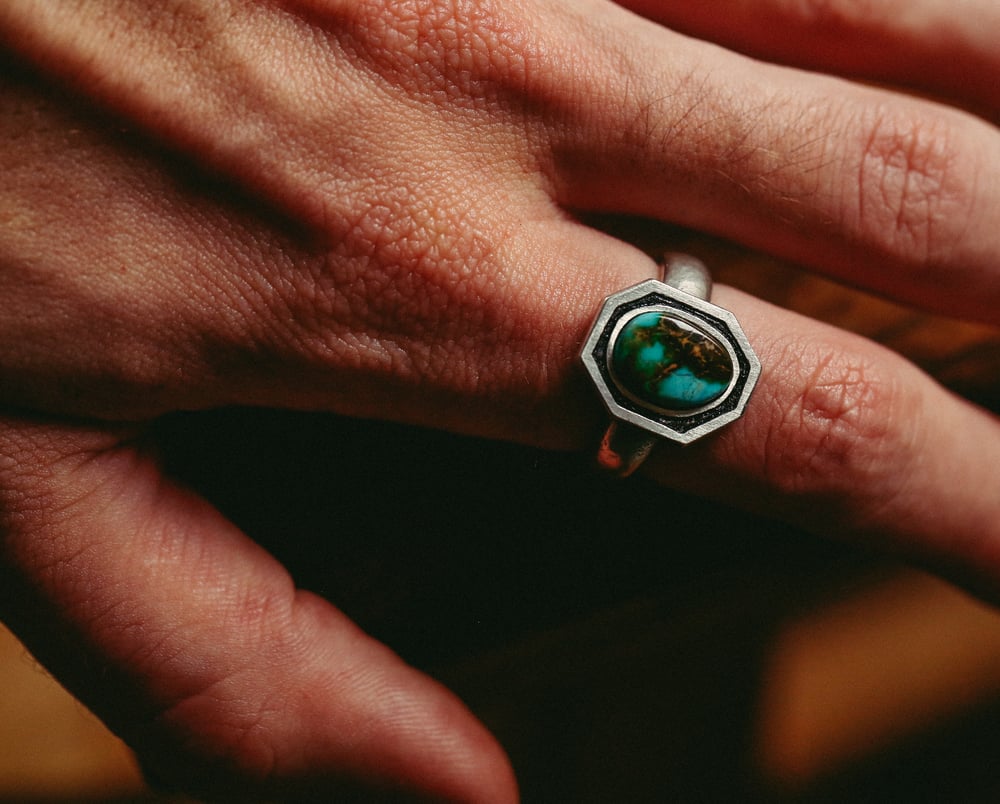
(364, 207)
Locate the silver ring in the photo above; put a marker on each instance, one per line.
(667, 363)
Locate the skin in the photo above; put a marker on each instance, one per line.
(368, 207)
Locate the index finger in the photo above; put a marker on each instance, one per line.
(194, 645)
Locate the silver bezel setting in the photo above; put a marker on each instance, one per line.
(721, 325)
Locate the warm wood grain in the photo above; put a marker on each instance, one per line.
(49, 744)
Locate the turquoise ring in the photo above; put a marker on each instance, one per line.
(667, 363)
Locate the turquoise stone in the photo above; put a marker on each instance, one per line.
(669, 364)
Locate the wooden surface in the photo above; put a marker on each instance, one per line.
(905, 655)
(50, 746)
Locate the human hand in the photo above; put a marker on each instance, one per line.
(366, 208)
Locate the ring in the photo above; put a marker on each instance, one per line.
(667, 363)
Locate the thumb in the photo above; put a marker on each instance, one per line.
(194, 645)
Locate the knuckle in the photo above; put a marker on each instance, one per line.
(916, 185)
(227, 723)
(232, 746)
(451, 45)
(231, 738)
(418, 232)
(413, 278)
(414, 263)
(844, 427)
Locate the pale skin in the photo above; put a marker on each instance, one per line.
(366, 207)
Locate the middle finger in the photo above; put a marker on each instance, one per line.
(892, 193)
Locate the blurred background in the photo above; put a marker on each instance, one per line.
(625, 643)
(888, 693)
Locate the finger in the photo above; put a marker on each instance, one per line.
(887, 192)
(848, 440)
(194, 645)
(943, 48)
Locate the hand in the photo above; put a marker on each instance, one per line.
(366, 207)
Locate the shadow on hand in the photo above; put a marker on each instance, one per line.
(609, 632)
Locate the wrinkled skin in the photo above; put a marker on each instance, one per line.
(368, 207)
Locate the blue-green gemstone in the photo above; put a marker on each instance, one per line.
(669, 364)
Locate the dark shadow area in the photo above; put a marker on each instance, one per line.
(610, 633)
(955, 762)
(446, 547)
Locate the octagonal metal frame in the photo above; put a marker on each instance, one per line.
(680, 426)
